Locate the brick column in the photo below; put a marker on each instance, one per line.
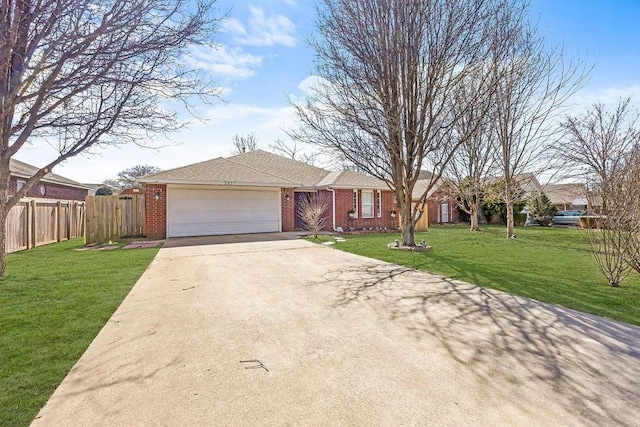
(156, 211)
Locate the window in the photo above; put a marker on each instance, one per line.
(367, 204)
(355, 203)
(20, 184)
(379, 204)
(444, 212)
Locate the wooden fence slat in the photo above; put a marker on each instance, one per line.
(34, 222)
(109, 218)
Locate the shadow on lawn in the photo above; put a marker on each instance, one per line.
(587, 364)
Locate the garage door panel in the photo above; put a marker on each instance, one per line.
(202, 211)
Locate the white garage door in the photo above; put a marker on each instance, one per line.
(194, 211)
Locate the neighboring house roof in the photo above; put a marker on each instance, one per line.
(528, 182)
(24, 170)
(261, 168)
(566, 194)
(422, 185)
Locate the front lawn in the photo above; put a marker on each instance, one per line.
(544, 263)
(54, 300)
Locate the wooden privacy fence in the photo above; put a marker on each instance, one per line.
(35, 222)
(108, 218)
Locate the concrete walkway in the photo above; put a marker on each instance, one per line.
(269, 331)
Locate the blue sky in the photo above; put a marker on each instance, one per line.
(263, 58)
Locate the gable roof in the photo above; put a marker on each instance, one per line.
(291, 170)
(24, 170)
(348, 179)
(218, 171)
(260, 168)
(562, 194)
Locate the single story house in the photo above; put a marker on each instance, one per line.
(51, 186)
(441, 202)
(257, 192)
(572, 196)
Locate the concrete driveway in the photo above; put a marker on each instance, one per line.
(263, 330)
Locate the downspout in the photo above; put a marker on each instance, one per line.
(333, 205)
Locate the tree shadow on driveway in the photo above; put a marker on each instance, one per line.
(512, 345)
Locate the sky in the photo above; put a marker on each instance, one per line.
(263, 59)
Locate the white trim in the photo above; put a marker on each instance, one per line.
(356, 203)
(372, 204)
(18, 186)
(379, 204)
(333, 205)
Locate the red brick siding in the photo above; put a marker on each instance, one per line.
(287, 209)
(344, 203)
(52, 191)
(434, 205)
(156, 211)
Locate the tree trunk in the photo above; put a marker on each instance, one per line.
(509, 202)
(4, 211)
(473, 215)
(3, 240)
(408, 226)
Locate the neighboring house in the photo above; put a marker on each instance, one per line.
(51, 186)
(256, 192)
(568, 196)
(442, 204)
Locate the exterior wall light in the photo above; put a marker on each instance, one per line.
(156, 195)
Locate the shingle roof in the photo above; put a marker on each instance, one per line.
(263, 169)
(350, 179)
(25, 170)
(302, 173)
(217, 171)
(565, 193)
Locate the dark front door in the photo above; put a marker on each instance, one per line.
(298, 197)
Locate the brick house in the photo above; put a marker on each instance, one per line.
(51, 186)
(441, 202)
(258, 192)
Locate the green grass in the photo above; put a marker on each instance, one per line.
(54, 300)
(547, 264)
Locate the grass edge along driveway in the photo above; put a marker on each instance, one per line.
(53, 302)
(549, 264)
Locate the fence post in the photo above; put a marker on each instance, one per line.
(34, 224)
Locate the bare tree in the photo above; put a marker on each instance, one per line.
(598, 142)
(128, 177)
(312, 209)
(604, 145)
(387, 72)
(75, 74)
(294, 151)
(473, 162)
(614, 237)
(244, 143)
(533, 85)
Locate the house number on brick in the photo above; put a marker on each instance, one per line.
(229, 183)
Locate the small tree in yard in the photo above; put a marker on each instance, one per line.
(76, 74)
(312, 209)
(540, 208)
(605, 144)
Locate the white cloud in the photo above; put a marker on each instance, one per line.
(609, 95)
(224, 61)
(262, 30)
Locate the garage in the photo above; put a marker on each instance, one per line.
(206, 211)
